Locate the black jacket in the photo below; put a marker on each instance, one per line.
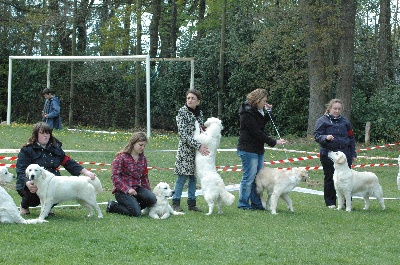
(51, 158)
(252, 136)
(341, 129)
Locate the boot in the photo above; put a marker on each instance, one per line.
(192, 205)
(176, 205)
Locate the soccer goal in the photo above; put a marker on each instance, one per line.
(49, 59)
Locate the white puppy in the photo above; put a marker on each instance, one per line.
(54, 189)
(278, 183)
(349, 182)
(212, 185)
(162, 209)
(8, 210)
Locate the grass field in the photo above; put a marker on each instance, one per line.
(312, 234)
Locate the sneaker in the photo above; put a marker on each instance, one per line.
(332, 206)
(110, 202)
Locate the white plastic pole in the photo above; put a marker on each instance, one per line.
(9, 91)
(148, 95)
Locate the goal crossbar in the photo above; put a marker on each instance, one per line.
(145, 58)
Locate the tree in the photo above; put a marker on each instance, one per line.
(346, 54)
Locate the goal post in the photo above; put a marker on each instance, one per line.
(49, 59)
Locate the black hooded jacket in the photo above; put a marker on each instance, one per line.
(51, 158)
(252, 136)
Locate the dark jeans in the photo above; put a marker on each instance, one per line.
(28, 199)
(132, 205)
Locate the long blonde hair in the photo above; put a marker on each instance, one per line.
(256, 95)
(136, 137)
(330, 104)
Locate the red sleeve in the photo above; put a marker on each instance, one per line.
(65, 160)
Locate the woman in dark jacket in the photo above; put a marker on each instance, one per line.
(45, 150)
(250, 148)
(334, 132)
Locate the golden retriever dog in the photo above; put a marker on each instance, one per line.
(278, 183)
(9, 212)
(349, 182)
(212, 185)
(162, 209)
(54, 189)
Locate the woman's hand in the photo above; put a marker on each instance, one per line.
(31, 186)
(88, 173)
(281, 141)
(132, 192)
(330, 137)
(204, 150)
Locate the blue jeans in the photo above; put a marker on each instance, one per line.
(180, 182)
(251, 163)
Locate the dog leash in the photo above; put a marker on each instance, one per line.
(273, 123)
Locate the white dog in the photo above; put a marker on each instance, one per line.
(278, 183)
(212, 185)
(349, 182)
(8, 210)
(54, 189)
(162, 209)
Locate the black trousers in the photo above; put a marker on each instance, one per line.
(329, 186)
(28, 199)
(132, 205)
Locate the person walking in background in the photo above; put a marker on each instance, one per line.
(252, 137)
(51, 110)
(45, 150)
(131, 185)
(334, 132)
(185, 157)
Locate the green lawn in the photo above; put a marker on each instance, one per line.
(312, 234)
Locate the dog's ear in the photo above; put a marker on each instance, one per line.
(342, 158)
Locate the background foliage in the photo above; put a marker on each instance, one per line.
(265, 48)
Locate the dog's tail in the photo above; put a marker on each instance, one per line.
(96, 184)
(228, 198)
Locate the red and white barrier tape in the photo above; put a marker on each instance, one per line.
(236, 168)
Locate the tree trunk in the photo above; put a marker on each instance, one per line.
(346, 55)
(318, 58)
(154, 24)
(202, 12)
(222, 59)
(384, 60)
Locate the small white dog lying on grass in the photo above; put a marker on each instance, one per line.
(349, 182)
(212, 185)
(54, 189)
(8, 210)
(162, 209)
(278, 183)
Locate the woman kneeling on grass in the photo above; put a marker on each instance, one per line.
(130, 179)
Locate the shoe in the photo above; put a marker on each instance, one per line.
(110, 202)
(195, 209)
(23, 211)
(245, 208)
(332, 206)
(51, 214)
(177, 208)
